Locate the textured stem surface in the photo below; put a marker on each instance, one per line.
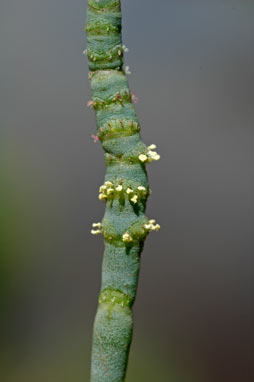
(125, 191)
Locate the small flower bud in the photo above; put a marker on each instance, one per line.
(127, 70)
(126, 237)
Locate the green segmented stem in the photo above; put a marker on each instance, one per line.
(124, 225)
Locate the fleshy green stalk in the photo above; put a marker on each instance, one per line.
(124, 191)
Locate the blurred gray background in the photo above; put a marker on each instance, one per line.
(192, 69)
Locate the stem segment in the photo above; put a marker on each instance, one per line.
(125, 191)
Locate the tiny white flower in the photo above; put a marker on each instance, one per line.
(102, 188)
(152, 147)
(110, 190)
(108, 183)
(125, 49)
(152, 221)
(85, 52)
(153, 155)
(157, 227)
(142, 157)
(141, 188)
(134, 199)
(129, 191)
(119, 52)
(156, 157)
(119, 188)
(147, 226)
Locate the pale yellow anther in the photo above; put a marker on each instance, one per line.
(152, 147)
(134, 199)
(157, 227)
(142, 157)
(157, 157)
(95, 232)
(99, 225)
(129, 191)
(126, 237)
(119, 188)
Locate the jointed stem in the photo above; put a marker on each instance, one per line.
(124, 191)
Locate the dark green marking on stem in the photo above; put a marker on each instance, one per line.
(124, 225)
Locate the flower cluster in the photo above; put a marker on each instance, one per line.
(151, 226)
(150, 155)
(130, 236)
(127, 237)
(98, 230)
(108, 189)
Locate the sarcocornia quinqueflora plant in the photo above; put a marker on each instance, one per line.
(125, 190)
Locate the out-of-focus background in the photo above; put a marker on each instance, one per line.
(192, 69)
